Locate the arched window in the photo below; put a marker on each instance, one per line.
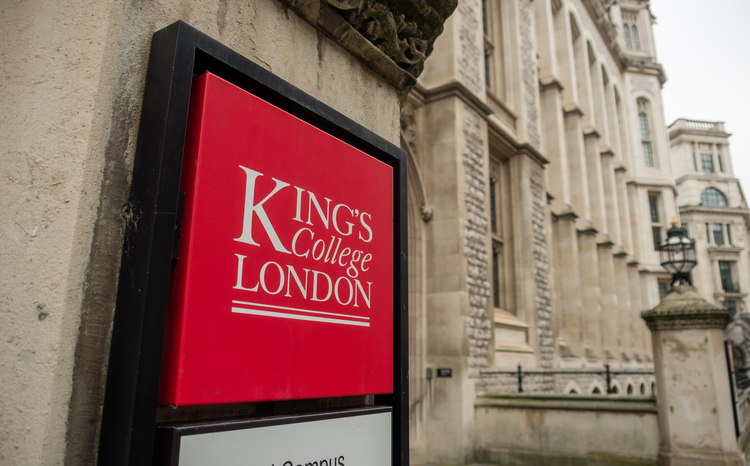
(645, 127)
(643, 388)
(713, 197)
(630, 389)
(636, 40)
(626, 33)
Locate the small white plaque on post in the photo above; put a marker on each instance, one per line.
(336, 439)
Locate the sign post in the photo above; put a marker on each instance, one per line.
(266, 262)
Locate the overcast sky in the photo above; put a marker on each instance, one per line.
(705, 49)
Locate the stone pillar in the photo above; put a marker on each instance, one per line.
(696, 424)
(554, 131)
(608, 299)
(626, 236)
(594, 178)
(591, 294)
(570, 338)
(635, 221)
(576, 154)
(624, 313)
(456, 333)
(640, 332)
(610, 196)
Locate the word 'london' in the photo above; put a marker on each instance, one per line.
(273, 279)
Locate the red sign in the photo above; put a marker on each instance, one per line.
(284, 284)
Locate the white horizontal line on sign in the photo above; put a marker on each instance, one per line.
(284, 315)
(246, 303)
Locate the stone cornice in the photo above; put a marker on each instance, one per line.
(714, 210)
(630, 404)
(698, 132)
(533, 153)
(707, 177)
(684, 309)
(455, 89)
(567, 215)
(634, 64)
(550, 83)
(591, 133)
(605, 243)
(570, 109)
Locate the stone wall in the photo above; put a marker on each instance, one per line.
(548, 429)
(478, 325)
(541, 267)
(471, 55)
(530, 74)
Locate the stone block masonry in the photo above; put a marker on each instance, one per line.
(478, 325)
(543, 296)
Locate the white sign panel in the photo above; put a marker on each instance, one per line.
(361, 440)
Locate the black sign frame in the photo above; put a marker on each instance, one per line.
(169, 437)
(178, 53)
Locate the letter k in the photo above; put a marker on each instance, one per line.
(257, 209)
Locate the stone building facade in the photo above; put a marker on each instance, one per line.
(540, 187)
(714, 211)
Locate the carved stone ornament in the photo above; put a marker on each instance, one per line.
(405, 30)
(682, 309)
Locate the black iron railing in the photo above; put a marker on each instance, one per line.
(608, 374)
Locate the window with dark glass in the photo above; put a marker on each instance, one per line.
(707, 163)
(487, 77)
(495, 278)
(653, 204)
(731, 306)
(713, 197)
(725, 273)
(656, 232)
(626, 33)
(717, 229)
(645, 128)
(493, 205)
(636, 39)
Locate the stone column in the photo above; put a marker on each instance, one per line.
(594, 178)
(591, 294)
(570, 338)
(576, 154)
(608, 299)
(635, 221)
(696, 424)
(626, 236)
(640, 332)
(554, 131)
(624, 313)
(610, 196)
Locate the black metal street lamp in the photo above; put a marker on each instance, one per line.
(678, 254)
